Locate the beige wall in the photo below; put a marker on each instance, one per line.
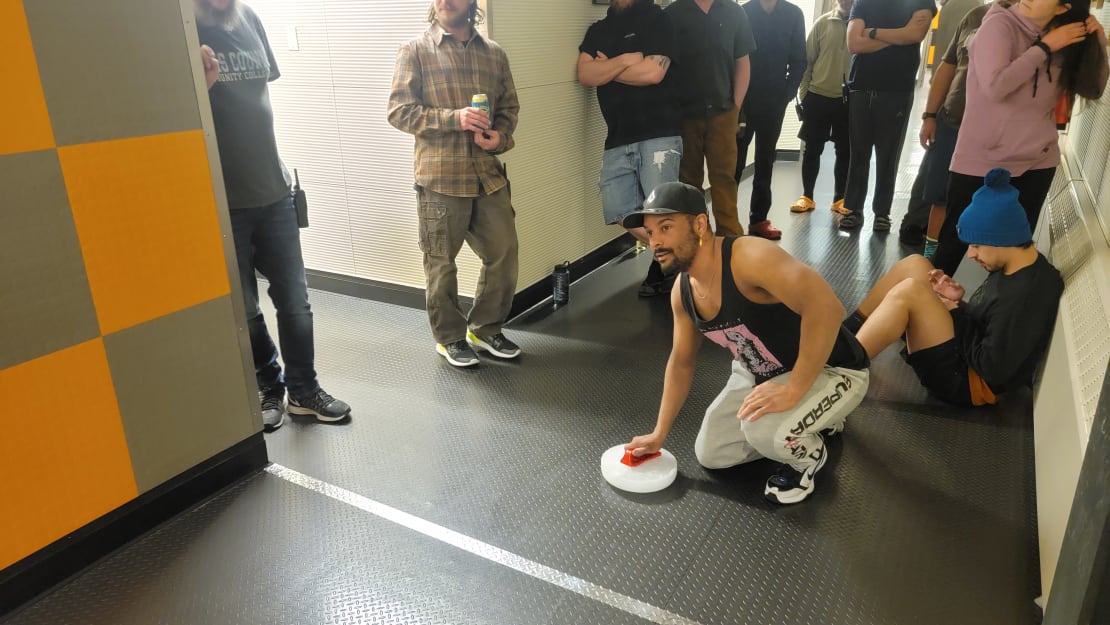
(330, 108)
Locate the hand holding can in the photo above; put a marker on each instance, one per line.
(481, 101)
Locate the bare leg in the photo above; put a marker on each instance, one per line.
(911, 308)
(915, 266)
(936, 220)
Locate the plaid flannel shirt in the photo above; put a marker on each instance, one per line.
(435, 76)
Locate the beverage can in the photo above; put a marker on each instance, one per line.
(480, 101)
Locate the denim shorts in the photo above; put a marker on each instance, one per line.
(630, 172)
(938, 159)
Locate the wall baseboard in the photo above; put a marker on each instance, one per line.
(530, 296)
(53, 564)
(413, 297)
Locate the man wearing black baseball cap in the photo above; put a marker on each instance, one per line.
(968, 353)
(796, 371)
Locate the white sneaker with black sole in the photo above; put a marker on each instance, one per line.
(496, 345)
(834, 429)
(788, 485)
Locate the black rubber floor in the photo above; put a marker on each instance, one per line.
(925, 515)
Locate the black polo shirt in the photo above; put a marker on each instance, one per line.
(780, 60)
(894, 68)
(709, 45)
(635, 114)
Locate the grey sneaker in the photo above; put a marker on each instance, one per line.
(320, 405)
(496, 345)
(458, 353)
(272, 399)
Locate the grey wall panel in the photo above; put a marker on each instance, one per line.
(47, 304)
(149, 89)
(192, 356)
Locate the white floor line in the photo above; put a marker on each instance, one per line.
(497, 555)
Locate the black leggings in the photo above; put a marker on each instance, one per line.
(1032, 188)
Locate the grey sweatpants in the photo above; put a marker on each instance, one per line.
(791, 436)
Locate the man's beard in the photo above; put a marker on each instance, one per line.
(461, 21)
(682, 256)
(208, 16)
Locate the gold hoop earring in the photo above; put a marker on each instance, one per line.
(700, 241)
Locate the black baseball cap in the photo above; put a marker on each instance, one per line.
(669, 198)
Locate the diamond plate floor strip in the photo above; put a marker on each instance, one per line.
(547, 574)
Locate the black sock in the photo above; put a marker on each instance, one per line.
(854, 321)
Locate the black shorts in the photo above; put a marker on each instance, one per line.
(943, 371)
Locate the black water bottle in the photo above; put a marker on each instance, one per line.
(560, 284)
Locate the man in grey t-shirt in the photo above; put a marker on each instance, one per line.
(238, 64)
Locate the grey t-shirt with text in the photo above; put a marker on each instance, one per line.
(254, 175)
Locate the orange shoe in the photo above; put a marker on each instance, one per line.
(803, 205)
(765, 229)
(838, 207)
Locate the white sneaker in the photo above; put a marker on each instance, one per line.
(788, 485)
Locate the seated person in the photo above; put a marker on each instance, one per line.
(796, 370)
(968, 353)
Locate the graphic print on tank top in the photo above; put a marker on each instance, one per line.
(746, 347)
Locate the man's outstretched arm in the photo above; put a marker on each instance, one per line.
(677, 380)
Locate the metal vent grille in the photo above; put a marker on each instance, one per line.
(1090, 338)
(1071, 244)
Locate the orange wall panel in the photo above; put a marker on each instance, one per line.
(147, 219)
(24, 120)
(63, 452)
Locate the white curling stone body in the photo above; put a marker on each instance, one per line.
(649, 477)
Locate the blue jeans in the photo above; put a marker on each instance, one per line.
(939, 157)
(268, 240)
(630, 172)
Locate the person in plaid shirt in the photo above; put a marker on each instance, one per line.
(463, 192)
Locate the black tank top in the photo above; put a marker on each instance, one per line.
(764, 336)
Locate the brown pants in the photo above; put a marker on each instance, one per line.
(713, 141)
(488, 225)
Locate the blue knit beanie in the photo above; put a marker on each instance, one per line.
(995, 217)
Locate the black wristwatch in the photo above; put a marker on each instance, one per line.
(874, 31)
(928, 115)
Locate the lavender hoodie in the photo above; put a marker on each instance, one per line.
(1006, 125)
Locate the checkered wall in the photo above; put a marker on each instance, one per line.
(120, 358)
